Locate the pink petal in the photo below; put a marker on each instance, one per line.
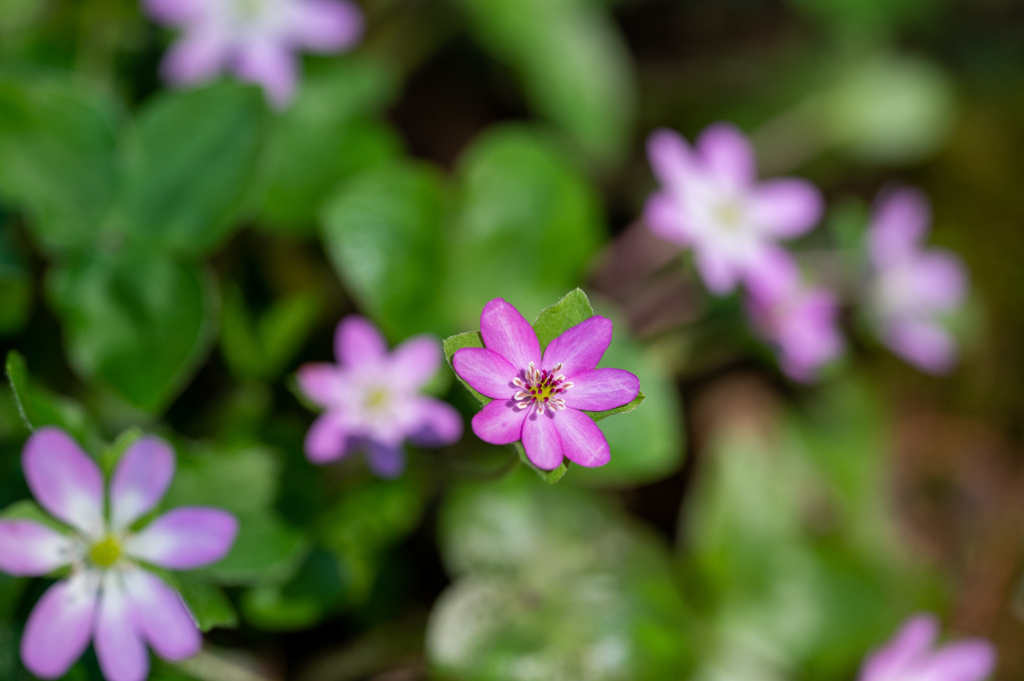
(961, 661)
(664, 217)
(64, 480)
(321, 383)
(196, 58)
(786, 208)
(670, 157)
(583, 442)
(924, 344)
(719, 275)
(325, 25)
(162, 616)
(727, 154)
(901, 220)
(140, 481)
(385, 460)
(271, 66)
(773, 277)
(486, 371)
(808, 336)
(357, 342)
(499, 423)
(580, 347)
(415, 361)
(185, 538)
(507, 333)
(438, 423)
(602, 389)
(28, 549)
(119, 647)
(58, 630)
(910, 645)
(327, 439)
(175, 12)
(940, 280)
(540, 440)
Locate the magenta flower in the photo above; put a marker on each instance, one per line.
(710, 201)
(913, 288)
(539, 399)
(255, 39)
(108, 596)
(800, 321)
(911, 656)
(372, 399)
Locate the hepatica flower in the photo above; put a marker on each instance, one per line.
(710, 201)
(913, 288)
(109, 595)
(538, 398)
(912, 656)
(256, 39)
(372, 400)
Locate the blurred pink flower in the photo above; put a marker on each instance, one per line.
(538, 400)
(912, 288)
(256, 39)
(911, 656)
(372, 399)
(108, 597)
(710, 201)
(800, 321)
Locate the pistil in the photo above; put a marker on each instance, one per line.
(541, 389)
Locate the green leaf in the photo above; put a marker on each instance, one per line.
(267, 550)
(574, 65)
(16, 15)
(383, 234)
(39, 407)
(313, 593)
(470, 339)
(205, 601)
(15, 286)
(139, 324)
(56, 156)
(574, 308)
(241, 480)
(528, 223)
(188, 166)
(30, 510)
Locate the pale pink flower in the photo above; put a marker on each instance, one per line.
(913, 656)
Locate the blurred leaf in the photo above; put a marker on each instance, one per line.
(382, 232)
(11, 589)
(27, 509)
(188, 165)
(241, 480)
(205, 601)
(56, 156)
(372, 516)
(324, 137)
(267, 550)
(15, 286)
(39, 407)
(16, 15)
(575, 67)
(315, 591)
(111, 456)
(140, 324)
(527, 225)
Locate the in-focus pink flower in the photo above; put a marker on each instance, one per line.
(539, 399)
(911, 655)
(372, 399)
(801, 321)
(710, 201)
(913, 288)
(258, 40)
(108, 597)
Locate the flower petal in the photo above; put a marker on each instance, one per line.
(327, 440)
(438, 423)
(540, 440)
(908, 647)
(58, 630)
(486, 371)
(415, 361)
(119, 647)
(924, 344)
(727, 153)
(507, 333)
(385, 460)
(583, 442)
(185, 538)
(325, 25)
(357, 342)
(602, 389)
(773, 277)
(719, 275)
(321, 382)
(28, 549)
(162, 616)
(670, 157)
(940, 280)
(961, 661)
(580, 347)
(664, 217)
(499, 423)
(271, 66)
(787, 207)
(64, 480)
(140, 481)
(901, 220)
(195, 58)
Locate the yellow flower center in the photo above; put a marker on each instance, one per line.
(376, 399)
(106, 552)
(729, 214)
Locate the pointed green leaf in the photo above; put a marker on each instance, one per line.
(205, 601)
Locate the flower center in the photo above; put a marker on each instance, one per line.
(729, 215)
(376, 399)
(249, 9)
(541, 389)
(106, 552)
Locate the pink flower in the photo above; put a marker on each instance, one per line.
(800, 321)
(108, 596)
(912, 287)
(710, 201)
(911, 656)
(372, 399)
(256, 39)
(539, 399)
